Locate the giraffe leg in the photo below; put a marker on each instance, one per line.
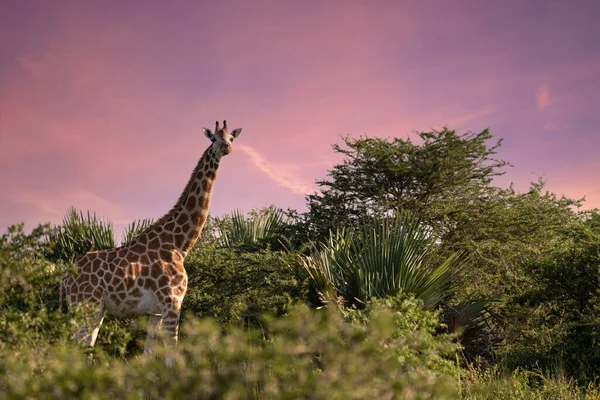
(170, 323)
(95, 331)
(154, 330)
(89, 332)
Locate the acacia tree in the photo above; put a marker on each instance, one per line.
(446, 179)
(435, 179)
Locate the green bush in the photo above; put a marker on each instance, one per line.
(555, 320)
(415, 330)
(28, 289)
(310, 354)
(255, 230)
(30, 313)
(491, 384)
(236, 287)
(384, 257)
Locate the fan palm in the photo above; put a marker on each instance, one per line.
(384, 257)
(134, 229)
(80, 233)
(248, 230)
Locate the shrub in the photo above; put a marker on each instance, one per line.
(555, 321)
(30, 313)
(236, 287)
(310, 354)
(492, 384)
(385, 258)
(81, 233)
(415, 330)
(258, 228)
(28, 289)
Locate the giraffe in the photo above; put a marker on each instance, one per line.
(147, 275)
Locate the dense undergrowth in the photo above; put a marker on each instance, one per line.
(463, 292)
(246, 333)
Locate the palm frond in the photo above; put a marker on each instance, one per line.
(80, 233)
(134, 229)
(383, 258)
(247, 230)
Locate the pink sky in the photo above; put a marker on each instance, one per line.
(102, 103)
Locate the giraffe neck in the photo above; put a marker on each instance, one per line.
(181, 226)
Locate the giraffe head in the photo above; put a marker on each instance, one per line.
(222, 138)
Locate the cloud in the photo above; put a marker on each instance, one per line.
(543, 96)
(283, 175)
(470, 116)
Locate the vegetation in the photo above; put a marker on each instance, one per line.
(559, 298)
(80, 233)
(382, 258)
(447, 181)
(411, 275)
(252, 230)
(236, 286)
(438, 179)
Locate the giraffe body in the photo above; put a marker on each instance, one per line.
(127, 283)
(147, 276)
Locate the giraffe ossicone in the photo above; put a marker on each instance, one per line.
(147, 275)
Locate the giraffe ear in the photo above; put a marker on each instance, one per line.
(236, 132)
(208, 133)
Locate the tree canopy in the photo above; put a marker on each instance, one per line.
(437, 178)
(447, 179)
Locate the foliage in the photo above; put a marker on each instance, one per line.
(434, 179)
(556, 317)
(262, 226)
(81, 233)
(471, 321)
(308, 354)
(492, 384)
(411, 321)
(447, 180)
(384, 258)
(389, 257)
(28, 289)
(30, 313)
(506, 231)
(236, 286)
(134, 229)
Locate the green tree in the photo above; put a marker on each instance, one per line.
(447, 180)
(435, 179)
(559, 303)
